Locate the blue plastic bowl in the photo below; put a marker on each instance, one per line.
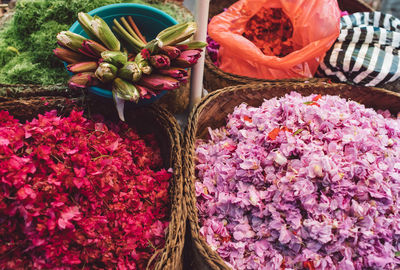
(149, 20)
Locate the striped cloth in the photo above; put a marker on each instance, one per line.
(366, 51)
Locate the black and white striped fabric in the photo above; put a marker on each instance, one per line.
(366, 51)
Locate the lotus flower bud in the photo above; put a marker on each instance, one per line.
(82, 67)
(88, 52)
(97, 27)
(106, 72)
(176, 33)
(85, 20)
(177, 73)
(70, 40)
(182, 47)
(145, 92)
(159, 82)
(171, 51)
(82, 80)
(145, 68)
(104, 33)
(192, 45)
(160, 61)
(95, 47)
(118, 59)
(69, 56)
(125, 90)
(130, 71)
(143, 64)
(187, 58)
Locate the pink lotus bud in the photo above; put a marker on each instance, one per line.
(69, 56)
(160, 61)
(187, 58)
(177, 73)
(82, 67)
(94, 47)
(159, 82)
(82, 80)
(182, 47)
(171, 51)
(183, 80)
(145, 92)
(88, 52)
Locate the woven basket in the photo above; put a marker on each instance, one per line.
(215, 78)
(149, 119)
(212, 112)
(174, 101)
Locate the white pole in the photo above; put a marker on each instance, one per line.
(196, 81)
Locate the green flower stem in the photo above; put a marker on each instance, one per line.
(134, 26)
(131, 31)
(124, 34)
(135, 47)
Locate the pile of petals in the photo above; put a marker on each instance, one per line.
(79, 194)
(302, 183)
(271, 31)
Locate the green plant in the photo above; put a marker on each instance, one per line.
(27, 41)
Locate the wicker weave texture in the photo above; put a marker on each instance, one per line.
(212, 112)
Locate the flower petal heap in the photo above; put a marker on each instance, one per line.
(321, 193)
(79, 194)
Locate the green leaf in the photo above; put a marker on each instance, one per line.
(13, 49)
(397, 253)
(308, 102)
(195, 45)
(297, 131)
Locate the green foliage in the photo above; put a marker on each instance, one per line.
(43, 43)
(6, 54)
(22, 69)
(27, 42)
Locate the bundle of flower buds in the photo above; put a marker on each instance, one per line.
(139, 70)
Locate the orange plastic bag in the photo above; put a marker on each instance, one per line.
(316, 26)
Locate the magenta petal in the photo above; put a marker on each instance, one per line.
(88, 52)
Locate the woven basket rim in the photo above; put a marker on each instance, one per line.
(210, 257)
(170, 254)
(14, 91)
(365, 6)
(207, 99)
(244, 79)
